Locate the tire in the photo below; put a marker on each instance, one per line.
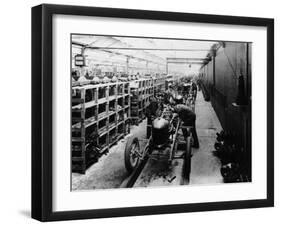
(188, 158)
(131, 162)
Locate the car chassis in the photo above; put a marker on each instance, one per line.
(134, 156)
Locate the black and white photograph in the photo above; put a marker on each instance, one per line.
(142, 112)
(152, 112)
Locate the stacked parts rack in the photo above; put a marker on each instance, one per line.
(102, 114)
(141, 90)
(100, 117)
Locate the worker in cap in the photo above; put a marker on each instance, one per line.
(178, 99)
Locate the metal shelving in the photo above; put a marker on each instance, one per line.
(141, 90)
(100, 117)
(102, 114)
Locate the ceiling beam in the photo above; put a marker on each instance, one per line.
(138, 48)
(185, 59)
(150, 49)
(185, 62)
(114, 52)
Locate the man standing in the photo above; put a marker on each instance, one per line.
(188, 117)
(194, 89)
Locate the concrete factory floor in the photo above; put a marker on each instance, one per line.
(205, 167)
(110, 172)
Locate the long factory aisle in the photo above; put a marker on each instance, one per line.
(205, 167)
(110, 171)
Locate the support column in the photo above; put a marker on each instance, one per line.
(127, 65)
(214, 71)
(214, 53)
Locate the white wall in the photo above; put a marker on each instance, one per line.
(15, 111)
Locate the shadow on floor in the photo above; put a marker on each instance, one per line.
(25, 213)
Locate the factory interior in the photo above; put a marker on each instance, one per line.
(152, 111)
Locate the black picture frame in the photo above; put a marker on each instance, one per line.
(42, 111)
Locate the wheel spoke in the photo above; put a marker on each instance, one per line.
(134, 155)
